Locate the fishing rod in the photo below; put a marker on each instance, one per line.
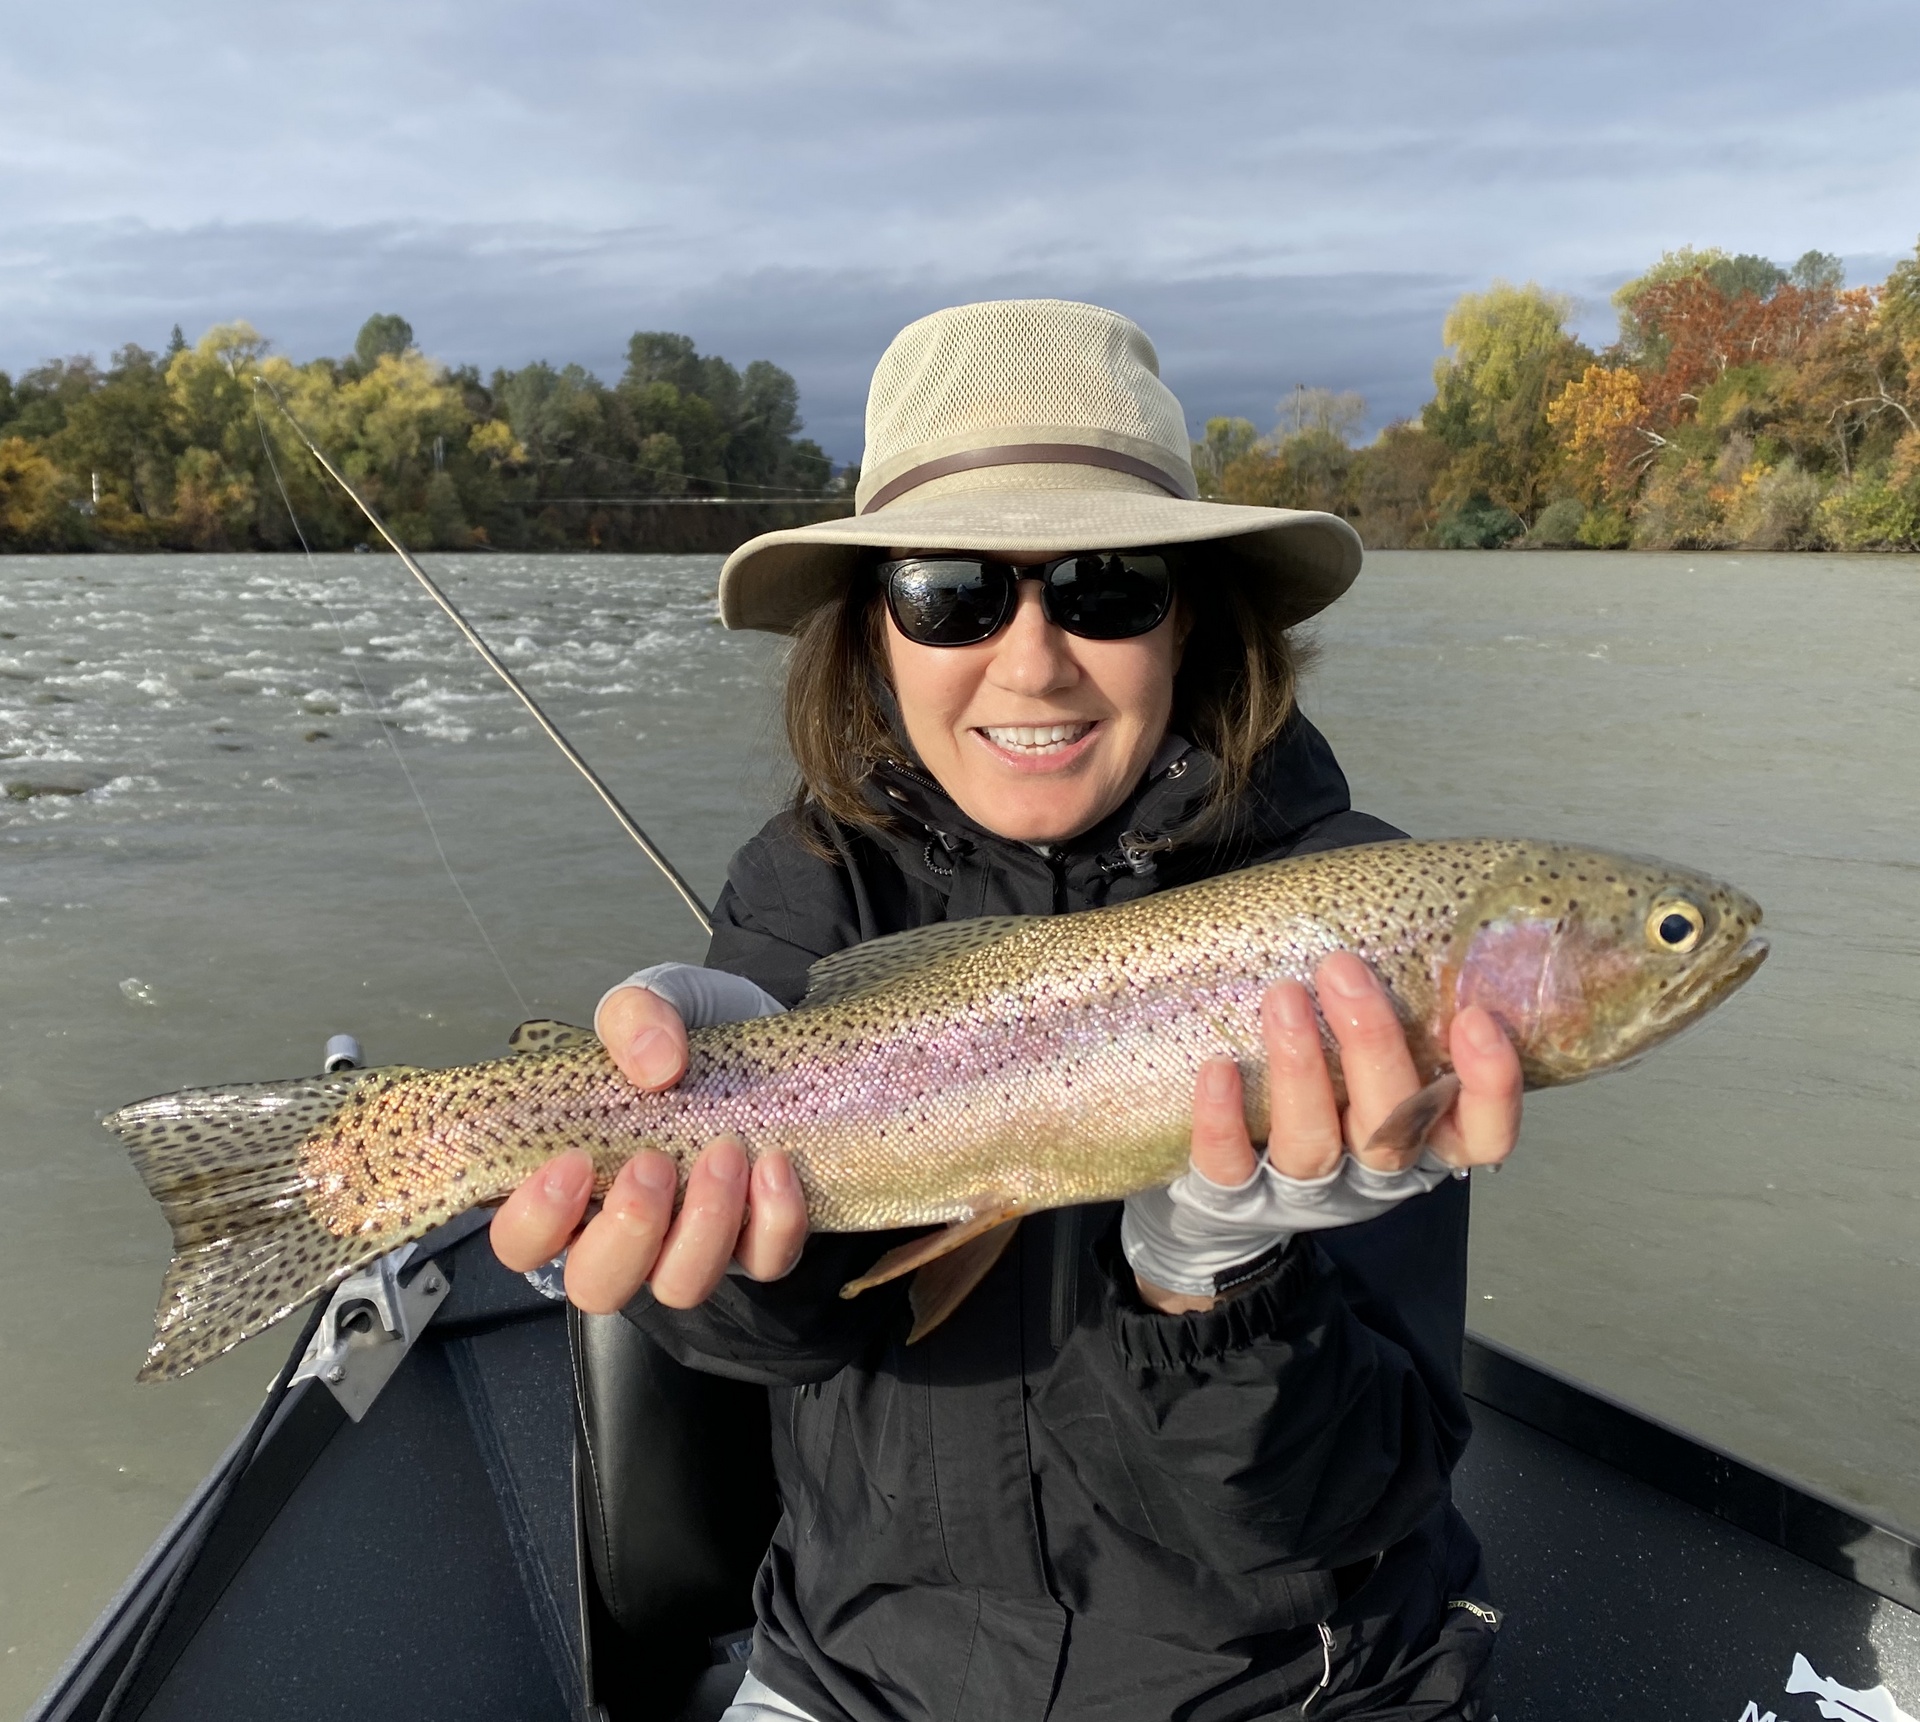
(491, 659)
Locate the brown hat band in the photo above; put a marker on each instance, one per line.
(1025, 454)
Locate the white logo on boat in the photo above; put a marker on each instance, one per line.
(1837, 1703)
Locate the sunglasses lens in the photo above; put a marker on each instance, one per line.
(1111, 596)
(941, 602)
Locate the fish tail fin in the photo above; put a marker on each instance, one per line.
(226, 1167)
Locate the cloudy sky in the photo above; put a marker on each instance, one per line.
(1280, 192)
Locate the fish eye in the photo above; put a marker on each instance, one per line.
(1675, 925)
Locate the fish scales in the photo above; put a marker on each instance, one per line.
(980, 1066)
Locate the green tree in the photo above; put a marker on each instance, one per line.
(381, 336)
(119, 436)
(654, 356)
(1900, 298)
(732, 428)
(1746, 276)
(1226, 441)
(44, 396)
(167, 450)
(558, 416)
(1818, 271)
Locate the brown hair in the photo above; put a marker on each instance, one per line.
(1232, 695)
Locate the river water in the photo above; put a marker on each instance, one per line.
(211, 858)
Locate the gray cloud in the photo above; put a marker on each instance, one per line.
(1281, 192)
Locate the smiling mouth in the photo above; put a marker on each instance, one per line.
(1035, 740)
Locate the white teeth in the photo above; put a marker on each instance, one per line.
(1042, 738)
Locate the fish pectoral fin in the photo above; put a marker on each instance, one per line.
(917, 1254)
(543, 1034)
(942, 1285)
(1405, 1130)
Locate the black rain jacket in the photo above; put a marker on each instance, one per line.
(1063, 1504)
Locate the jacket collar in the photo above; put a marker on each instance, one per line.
(1136, 849)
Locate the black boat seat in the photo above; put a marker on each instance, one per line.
(677, 1503)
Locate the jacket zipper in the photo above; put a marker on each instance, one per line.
(1326, 1669)
(1065, 1314)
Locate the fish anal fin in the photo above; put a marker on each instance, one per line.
(543, 1034)
(860, 968)
(942, 1285)
(905, 1258)
(1405, 1130)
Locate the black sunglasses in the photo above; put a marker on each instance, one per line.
(962, 600)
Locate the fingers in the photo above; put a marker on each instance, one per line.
(535, 1222)
(1222, 1149)
(645, 1035)
(776, 1219)
(1486, 1119)
(1304, 1140)
(610, 1260)
(1374, 1059)
(701, 1242)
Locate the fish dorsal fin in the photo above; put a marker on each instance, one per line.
(543, 1034)
(860, 968)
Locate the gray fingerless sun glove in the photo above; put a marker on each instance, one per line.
(1198, 1238)
(703, 997)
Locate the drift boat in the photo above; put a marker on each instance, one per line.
(464, 1499)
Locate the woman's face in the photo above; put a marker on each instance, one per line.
(1036, 733)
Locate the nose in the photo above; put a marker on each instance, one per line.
(1031, 655)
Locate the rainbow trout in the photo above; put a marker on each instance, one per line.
(962, 1074)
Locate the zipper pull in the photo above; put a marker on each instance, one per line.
(1139, 849)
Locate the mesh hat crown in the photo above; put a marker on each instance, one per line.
(1031, 425)
(986, 381)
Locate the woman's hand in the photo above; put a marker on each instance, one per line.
(756, 1216)
(1310, 1134)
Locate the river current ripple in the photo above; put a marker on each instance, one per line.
(209, 861)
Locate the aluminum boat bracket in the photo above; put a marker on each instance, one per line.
(370, 1324)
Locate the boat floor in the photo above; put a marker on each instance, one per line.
(422, 1563)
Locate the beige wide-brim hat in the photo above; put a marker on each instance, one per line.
(1035, 425)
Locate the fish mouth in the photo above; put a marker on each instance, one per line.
(1707, 987)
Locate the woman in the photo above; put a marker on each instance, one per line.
(1190, 1458)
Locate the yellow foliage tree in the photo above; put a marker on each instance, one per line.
(1601, 418)
(1510, 355)
(32, 495)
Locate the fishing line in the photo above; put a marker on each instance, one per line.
(491, 659)
(399, 758)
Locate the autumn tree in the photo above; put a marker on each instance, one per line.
(35, 497)
(1509, 357)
